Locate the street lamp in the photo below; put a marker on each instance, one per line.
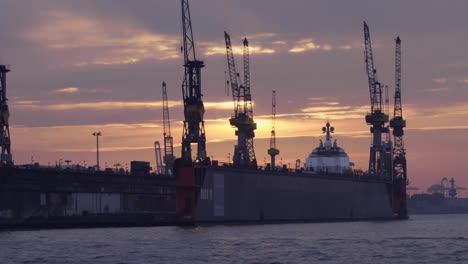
(97, 134)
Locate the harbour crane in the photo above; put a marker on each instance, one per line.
(453, 190)
(379, 165)
(5, 141)
(168, 140)
(242, 119)
(194, 125)
(446, 187)
(397, 123)
(157, 152)
(273, 151)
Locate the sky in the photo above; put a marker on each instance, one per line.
(83, 66)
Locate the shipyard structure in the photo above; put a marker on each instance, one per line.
(326, 189)
(186, 190)
(440, 198)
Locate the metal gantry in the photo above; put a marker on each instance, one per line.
(242, 119)
(5, 140)
(273, 151)
(397, 123)
(168, 140)
(194, 126)
(380, 153)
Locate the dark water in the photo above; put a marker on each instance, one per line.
(423, 239)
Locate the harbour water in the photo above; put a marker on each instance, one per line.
(422, 239)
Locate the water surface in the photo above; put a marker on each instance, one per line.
(422, 239)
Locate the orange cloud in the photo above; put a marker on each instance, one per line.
(26, 102)
(279, 42)
(345, 47)
(98, 105)
(237, 49)
(310, 44)
(443, 89)
(102, 42)
(440, 80)
(67, 90)
(307, 45)
(112, 105)
(327, 103)
(261, 36)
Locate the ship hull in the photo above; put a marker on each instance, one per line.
(237, 195)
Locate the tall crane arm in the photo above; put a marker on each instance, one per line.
(375, 87)
(233, 76)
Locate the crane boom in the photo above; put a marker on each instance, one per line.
(233, 76)
(398, 112)
(375, 87)
(188, 42)
(194, 125)
(168, 140)
(242, 119)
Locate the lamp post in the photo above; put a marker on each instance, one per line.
(97, 134)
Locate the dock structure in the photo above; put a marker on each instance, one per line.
(32, 196)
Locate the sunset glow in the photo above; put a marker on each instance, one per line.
(84, 67)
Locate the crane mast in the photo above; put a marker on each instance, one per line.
(273, 151)
(379, 153)
(242, 119)
(397, 123)
(168, 140)
(5, 141)
(194, 126)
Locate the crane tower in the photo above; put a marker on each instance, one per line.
(397, 123)
(379, 153)
(242, 119)
(168, 140)
(5, 141)
(273, 151)
(194, 126)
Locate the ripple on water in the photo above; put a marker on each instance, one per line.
(424, 239)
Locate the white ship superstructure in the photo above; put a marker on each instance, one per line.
(328, 157)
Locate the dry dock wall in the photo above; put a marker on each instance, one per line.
(243, 195)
